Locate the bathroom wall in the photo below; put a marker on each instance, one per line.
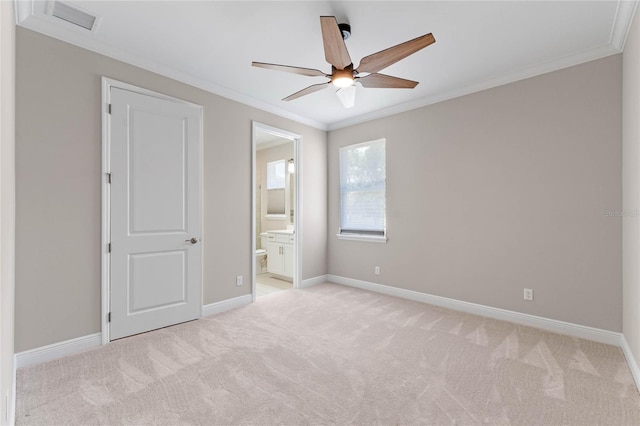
(279, 152)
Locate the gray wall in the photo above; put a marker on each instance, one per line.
(631, 189)
(58, 188)
(500, 190)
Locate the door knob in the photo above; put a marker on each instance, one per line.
(192, 240)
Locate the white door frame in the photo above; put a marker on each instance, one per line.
(297, 201)
(107, 84)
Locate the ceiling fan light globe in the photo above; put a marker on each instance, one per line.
(341, 82)
(347, 96)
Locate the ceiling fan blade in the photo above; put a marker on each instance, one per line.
(347, 96)
(306, 91)
(335, 51)
(286, 68)
(377, 61)
(386, 81)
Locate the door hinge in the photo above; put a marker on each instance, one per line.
(108, 177)
(109, 317)
(109, 108)
(109, 248)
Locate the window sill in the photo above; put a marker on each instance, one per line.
(275, 216)
(367, 238)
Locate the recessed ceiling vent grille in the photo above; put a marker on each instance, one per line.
(72, 14)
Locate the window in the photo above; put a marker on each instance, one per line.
(362, 191)
(275, 174)
(276, 187)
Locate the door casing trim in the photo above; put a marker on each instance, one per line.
(107, 84)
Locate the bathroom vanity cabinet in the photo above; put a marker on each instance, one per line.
(280, 253)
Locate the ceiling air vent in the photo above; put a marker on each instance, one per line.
(72, 14)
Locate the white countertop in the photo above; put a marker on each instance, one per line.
(281, 231)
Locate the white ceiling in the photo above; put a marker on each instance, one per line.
(211, 44)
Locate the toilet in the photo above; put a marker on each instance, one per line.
(261, 255)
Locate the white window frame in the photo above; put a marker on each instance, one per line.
(365, 235)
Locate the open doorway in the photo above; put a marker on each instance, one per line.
(276, 213)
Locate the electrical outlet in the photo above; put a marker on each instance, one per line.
(528, 294)
(239, 280)
(376, 270)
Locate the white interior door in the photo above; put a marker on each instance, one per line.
(156, 252)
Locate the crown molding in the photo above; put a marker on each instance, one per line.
(566, 62)
(23, 10)
(620, 28)
(622, 23)
(31, 14)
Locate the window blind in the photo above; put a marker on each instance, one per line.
(362, 188)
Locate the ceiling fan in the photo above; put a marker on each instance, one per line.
(343, 73)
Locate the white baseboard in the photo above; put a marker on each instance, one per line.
(226, 305)
(313, 281)
(561, 327)
(57, 350)
(73, 346)
(79, 344)
(631, 361)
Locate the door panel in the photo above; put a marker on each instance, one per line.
(155, 211)
(287, 259)
(274, 259)
(156, 280)
(157, 176)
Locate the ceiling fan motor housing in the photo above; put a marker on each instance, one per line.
(342, 78)
(345, 29)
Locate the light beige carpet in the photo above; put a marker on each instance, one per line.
(335, 355)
